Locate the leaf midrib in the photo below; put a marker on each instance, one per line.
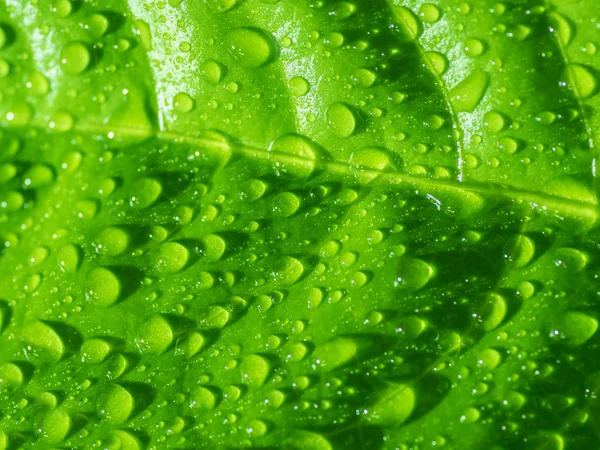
(537, 200)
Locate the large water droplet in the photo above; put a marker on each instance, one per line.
(42, 342)
(577, 327)
(154, 336)
(334, 354)
(75, 58)
(394, 407)
(202, 399)
(341, 120)
(412, 274)
(467, 94)
(102, 287)
(251, 47)
(144, 192)
(115, 404)
(255, 370)
(170, 258)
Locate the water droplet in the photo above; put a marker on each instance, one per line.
(467, 94)
(68, 258)
(94, 351)
(221, 5)
(182, 102)
(491, 311)
(112, 241)
(494, 121)
(170, 258)
(519, 250)
(251, 47)
(570, 259)
(412, 274)
(583, 81)
(54, 427)
(102, 287)
(123, 440)
(577, 327)
(364, 78)
(341, 121)
(285, 204)
(61, 122)
(255, 370)
(509, 145)
(62, 8)
(256, 428)
(252, 190)
(144, 192)
(436, 62)
(142, 30)
(295, 144)
(42, 342)
(297, 352)
(38, 84)
(561, 27)
(211, 71)
(407, 20)
(396, 404)
(213, 317)
(289, 271)
(299, 86)
(202, 399)
(334, 354)
(154, 336)
(214, 247)
(98, 25)
(115, 404)
(190, 344)
(19, 114)
(11, 377)
(38, 176)
(470, 415)
(474, 47)
(489, 358)
(75, 58)
(429, 13)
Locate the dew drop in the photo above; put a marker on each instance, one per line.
(144, 192)
(94, 351)
(255, 370)
(170, 258)
(467, 94)
(289, 271)
(75, 58)
(213, 318)
(11, 377)
(251, 47)
(395, 406)
(407, 20)
(519, 250)
(54, 427)
(341, 121)
(334, 354)
(299, 87)
(182, 102)
(42, 342)
(429, 13)
(583, 80)
(211, 71)
(115, 404)
(102, 287)
(412, 274)
(285, 204)
(202, 399)
(154, 336)
(474, 47)
(577, 327)
(112, 241)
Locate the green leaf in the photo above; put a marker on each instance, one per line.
(297, 224)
